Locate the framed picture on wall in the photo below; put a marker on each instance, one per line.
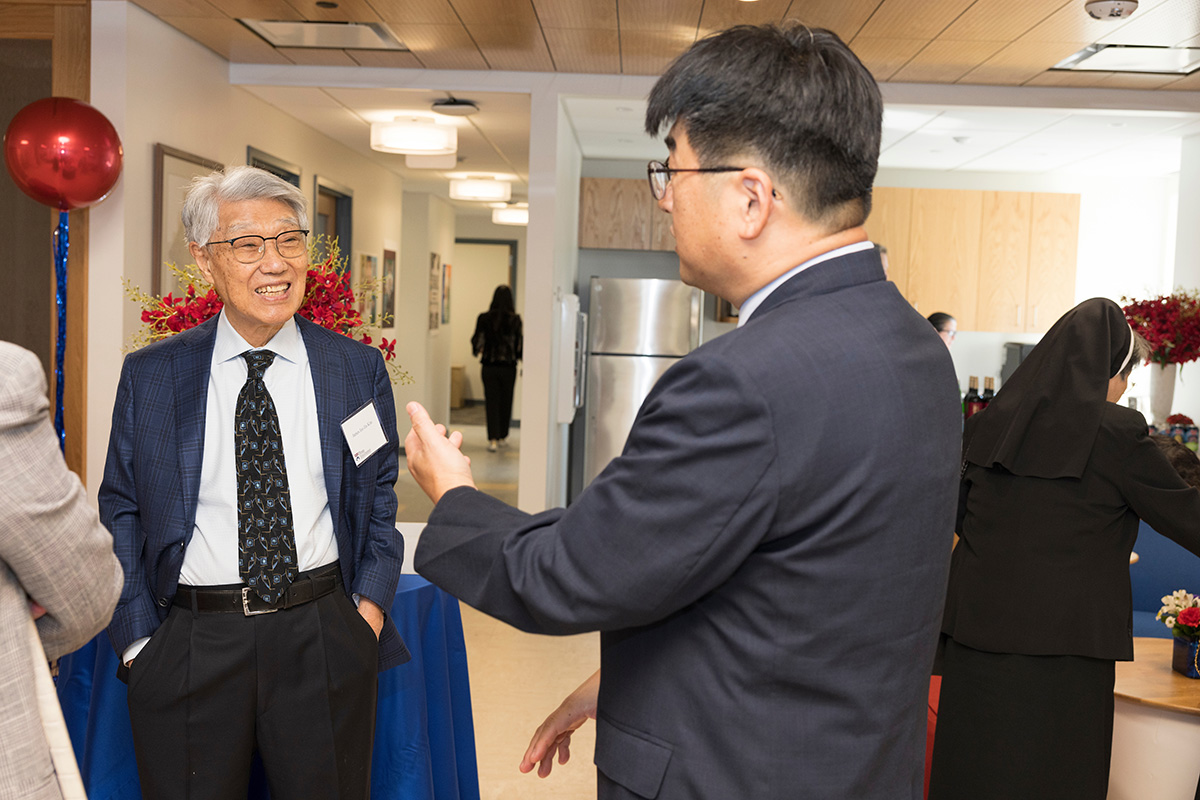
(445, 294)
(368, 266)
(173, 171)
(276, 166)
(388, 289)
(435, 291)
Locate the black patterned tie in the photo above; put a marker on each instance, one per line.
(266, 543)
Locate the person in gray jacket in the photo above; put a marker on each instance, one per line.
(58, 564)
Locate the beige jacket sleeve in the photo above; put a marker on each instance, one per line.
(51, 539)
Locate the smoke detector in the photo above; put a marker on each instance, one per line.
(1110, 9)
(455, 107)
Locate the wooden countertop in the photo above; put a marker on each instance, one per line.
(1149, 678)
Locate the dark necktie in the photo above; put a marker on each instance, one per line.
(266, 542)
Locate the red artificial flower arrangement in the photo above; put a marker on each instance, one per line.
(329, 301)
(1170, 323)
(1179, 419)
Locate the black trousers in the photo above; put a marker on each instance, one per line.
(1017, 727)
(498, 382)
(298, 686)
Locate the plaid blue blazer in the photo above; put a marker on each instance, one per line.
(152, 474)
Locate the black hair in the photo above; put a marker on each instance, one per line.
(795, 97)
(502, 300)
(938, 320)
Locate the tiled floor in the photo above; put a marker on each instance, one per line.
(516, 678)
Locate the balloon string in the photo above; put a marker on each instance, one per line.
(61, 245)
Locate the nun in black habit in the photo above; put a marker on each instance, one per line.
(1055, 476)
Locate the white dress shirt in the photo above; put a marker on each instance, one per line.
(211, 557)
(755, 300)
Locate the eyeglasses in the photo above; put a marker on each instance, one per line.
(659, 175)
(251, 249)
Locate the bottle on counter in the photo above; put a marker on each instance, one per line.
(972, 403)
(989, 391)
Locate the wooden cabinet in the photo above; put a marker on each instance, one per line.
(621, 214)
(996, 261)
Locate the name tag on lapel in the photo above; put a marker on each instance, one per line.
(364, 433)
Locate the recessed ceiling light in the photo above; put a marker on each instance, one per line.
(337, 35)
(1133, 58)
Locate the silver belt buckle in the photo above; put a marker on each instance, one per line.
(246, 605)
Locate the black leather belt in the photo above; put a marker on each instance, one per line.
(307, 586)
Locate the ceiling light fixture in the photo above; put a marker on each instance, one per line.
(516, 214)
(480, 189)
(337, 35)
(414, 135)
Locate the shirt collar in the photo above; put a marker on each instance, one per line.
(756, 299)
(285, 343)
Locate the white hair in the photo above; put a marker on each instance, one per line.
(230, 185)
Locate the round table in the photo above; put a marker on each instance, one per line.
(1156, 727)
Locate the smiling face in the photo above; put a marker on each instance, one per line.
(259, 298)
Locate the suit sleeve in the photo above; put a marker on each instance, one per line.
(691, 496)
(378, 572)
(136, 615)
(52, 538)
(1151, 486)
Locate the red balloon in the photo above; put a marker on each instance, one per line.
(63, 153)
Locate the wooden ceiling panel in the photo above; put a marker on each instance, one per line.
(649, 52)
(995, 20)
(672, 15)
(1189, 83)
(26, 22)
(317, 56)
(181, 8)
(227, 38)
(441, 46)
(1132, 80)
(1063, 77)
(913, 19)
(1019, 62)
(577, 13)
(945, 61)
(721, 14)
(586, 50)
(257, 9)
(883, 57)
(512, 13)
(843, 17)
(1070, 23)
(395, 59)
(416, 12)
(345, 11)
(512, 47)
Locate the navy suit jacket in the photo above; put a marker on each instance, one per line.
(152, 474)
(766, 560)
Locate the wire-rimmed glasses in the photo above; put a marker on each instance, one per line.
(251, 249)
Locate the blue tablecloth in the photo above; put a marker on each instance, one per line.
(424, 735)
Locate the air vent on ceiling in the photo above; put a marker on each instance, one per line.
(1133, 58)
(336, 35)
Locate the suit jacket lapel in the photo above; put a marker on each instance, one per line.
(328, 375)
(193, 364)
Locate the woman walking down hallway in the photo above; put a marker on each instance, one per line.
(498, 341)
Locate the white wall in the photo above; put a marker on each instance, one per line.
(1187, 266)
(158, 86)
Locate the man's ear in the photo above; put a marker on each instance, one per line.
(757, 201)
(200, 254)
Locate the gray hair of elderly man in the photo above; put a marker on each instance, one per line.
(205, 195)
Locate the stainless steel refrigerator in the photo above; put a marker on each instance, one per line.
(638, 328)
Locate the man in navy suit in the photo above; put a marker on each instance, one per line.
(766, 560)
(257, 532)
